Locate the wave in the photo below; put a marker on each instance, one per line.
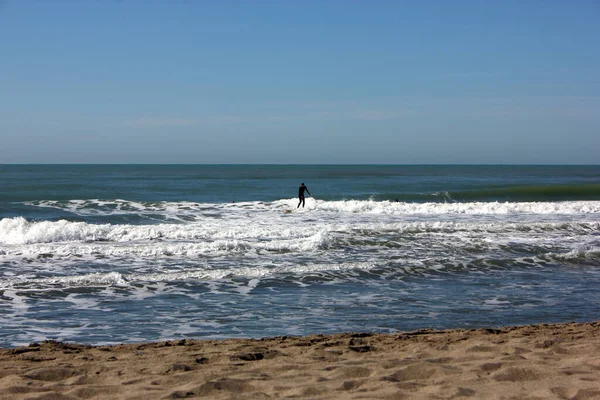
(296, 273)
(189, 211)
(199, 273)
(119, 207)
(543, 193)
(581, 253)
(474, 208)
(233, 235)
(521, 193)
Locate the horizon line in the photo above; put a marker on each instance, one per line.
(306, 164)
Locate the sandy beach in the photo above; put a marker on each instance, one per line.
(558, 361)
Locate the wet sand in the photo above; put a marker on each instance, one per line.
(558, 361)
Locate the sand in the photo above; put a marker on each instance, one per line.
(529, 362)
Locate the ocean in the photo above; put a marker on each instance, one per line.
(106, 254)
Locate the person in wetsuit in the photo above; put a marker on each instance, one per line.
(301, 191)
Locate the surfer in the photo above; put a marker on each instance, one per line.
(301, 191)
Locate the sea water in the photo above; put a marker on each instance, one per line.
(104, 254)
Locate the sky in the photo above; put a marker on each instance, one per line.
(300, 82)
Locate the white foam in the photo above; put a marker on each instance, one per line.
(20, 231)
(585, 251)
(491, 208)
(171, 209)
(157, 281)
(82, 303)
(251, 285)
(326, 236)
(96, 279)
(18, 302)
(496, 302)
(231, 234)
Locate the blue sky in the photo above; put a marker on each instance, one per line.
(394, 82)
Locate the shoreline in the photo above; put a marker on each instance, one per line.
(559, 361)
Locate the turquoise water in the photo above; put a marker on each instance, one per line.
(127, 253)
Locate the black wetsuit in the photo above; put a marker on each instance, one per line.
(301, 195)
